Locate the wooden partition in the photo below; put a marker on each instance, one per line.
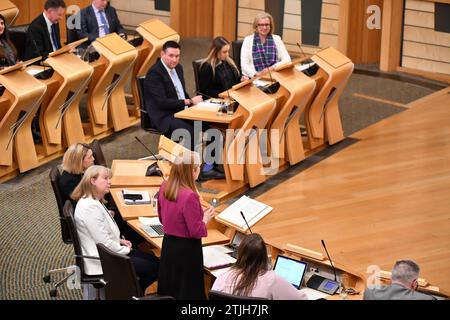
(192, 18)
(9, 11)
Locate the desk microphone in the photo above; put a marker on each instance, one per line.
(152, 169)
(275, 85)
(334, 270)
(243, 217)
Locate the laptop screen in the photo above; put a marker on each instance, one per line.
(290, 269)
(238, 237)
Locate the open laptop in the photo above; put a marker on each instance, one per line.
(234, 244)
(290, 269)
(154, 230)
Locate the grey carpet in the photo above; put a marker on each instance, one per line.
(29, 230)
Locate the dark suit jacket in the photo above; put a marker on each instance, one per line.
(38, 41)
(395, 292)
(160, 96)
(68, 183)
(89, 25)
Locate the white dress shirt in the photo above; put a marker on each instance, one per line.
(49, 29)
(101, 28)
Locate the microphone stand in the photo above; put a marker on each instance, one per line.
(245, 220)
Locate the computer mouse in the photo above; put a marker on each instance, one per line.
(153, 170)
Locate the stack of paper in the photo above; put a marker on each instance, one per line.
(253, 211)
(217, 256)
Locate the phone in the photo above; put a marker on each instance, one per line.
(132, 196)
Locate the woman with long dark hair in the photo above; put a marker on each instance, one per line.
(8, 53)
(218, 72)
(251, 276)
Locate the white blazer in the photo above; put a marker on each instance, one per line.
(94, 225)
(248, 69)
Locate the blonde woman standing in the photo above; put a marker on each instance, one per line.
(184, 224)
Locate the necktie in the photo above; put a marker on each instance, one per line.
(177, 83)
(104, 23)
(55, 36)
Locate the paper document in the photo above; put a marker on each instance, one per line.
(33, 72)
(253, 211)
(261, 83)
(303, 67)
(216, 257)
(149, 221)
(313, 294)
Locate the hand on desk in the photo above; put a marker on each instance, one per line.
(197, 99)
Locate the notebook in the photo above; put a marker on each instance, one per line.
(290, 269)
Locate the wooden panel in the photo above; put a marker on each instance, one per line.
(255, 4)
(132, 13)
(292, 6)
(192, 18)
(225, 19)
(391, 35)
(247, 15)
(24, 12)
(419, 19)
(292, 22)
(426, 36)
(330, 11)
(419, 5)
(244, 29)
(426, 51)
(426, 65)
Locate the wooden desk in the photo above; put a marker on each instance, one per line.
(134, 211)
(206, 112)
(131, 173)
(214, 236)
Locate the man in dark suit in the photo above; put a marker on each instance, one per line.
(98, 20)
(43, 34)
(165, 93)
(403, 284)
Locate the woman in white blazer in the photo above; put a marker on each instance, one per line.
(95, 224)
(262, 49)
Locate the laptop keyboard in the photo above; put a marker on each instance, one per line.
(155, 230)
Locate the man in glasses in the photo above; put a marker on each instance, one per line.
(404, 283)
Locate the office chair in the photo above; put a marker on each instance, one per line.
(99, 158)
(120, 277)
(18, 36)
(95, 280)
(236, 46)
(55, 175)
(146, 122)
(196, 67)
(217, 295)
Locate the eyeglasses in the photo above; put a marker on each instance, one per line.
(264, 25)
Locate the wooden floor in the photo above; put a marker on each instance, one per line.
(385, 198)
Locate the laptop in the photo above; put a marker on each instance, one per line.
(234, 244)
(154, 230)
(290, 269)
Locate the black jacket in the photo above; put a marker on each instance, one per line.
(89, 25)
(67, 183)
(38, 41)
(160, 96)
(224, 78)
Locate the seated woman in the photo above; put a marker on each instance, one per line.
(95, 224)
(184, 224)
(250, 276)
(8, 53)
(77, 159)
(262, 49)
(218, 72)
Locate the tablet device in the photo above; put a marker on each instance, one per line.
(290, 269)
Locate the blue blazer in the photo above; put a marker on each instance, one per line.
(89, 25)
(160, 96)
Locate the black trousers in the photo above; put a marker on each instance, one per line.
(146, 266)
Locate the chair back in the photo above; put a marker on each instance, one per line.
(55, 175)
(146, 122)
(98, 153)
(119, 274)
(196, 67)
(18, 36)
(217, 295)
(236, 46)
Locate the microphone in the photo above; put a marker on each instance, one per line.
(275, 85)
(152, 169)
(334, 270)
(243, 217)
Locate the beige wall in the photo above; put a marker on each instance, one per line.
(423, 48)
(292, 23)
(132, 13)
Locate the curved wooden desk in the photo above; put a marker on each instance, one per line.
(23, 94)
(61, 105)
(322, 115)
(9, 11)
(285, 128)
(155, 34)
(108, 92)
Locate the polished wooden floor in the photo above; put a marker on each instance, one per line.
(385, 198)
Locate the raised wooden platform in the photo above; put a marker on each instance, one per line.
(385, 198)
